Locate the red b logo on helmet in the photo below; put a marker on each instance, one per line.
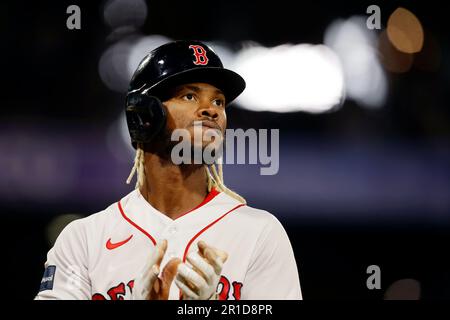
(200, 55)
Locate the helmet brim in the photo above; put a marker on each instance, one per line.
(229, 82)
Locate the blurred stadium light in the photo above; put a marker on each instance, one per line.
(403, 289)
(225, 53)
(405, 31)
(356, 47)
(113, 65)
(290, 78)
(120, 13)
(118, 63)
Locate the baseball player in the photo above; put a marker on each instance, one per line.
(181, 234)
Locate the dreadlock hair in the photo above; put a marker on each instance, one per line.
(214, 176)
(139, 167)
(215, 179)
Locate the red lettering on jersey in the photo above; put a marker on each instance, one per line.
(118, 292)
(115, 293)
(200, 55)
(223, 294)
(225, 291)
(130, 285)
(98, 296)
(237, 286)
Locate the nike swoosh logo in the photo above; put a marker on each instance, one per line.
(111, 246)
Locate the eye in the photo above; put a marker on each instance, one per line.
(219, 102)
(189, 97)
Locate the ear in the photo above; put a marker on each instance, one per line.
(145, 115)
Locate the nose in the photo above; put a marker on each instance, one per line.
(207, 110)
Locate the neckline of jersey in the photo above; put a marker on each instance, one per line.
(211, 195)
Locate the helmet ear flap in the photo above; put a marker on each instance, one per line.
(145, 116)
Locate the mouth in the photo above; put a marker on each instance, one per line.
(208, 125)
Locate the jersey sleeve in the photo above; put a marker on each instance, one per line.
(272, 272)
(66, 276)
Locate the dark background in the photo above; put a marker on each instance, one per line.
(356, 187)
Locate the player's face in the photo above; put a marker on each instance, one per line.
(194, 102)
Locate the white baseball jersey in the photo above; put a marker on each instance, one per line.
(98, 257)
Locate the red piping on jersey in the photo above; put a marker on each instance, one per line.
(211, 195)
(207, 227)
(203, 230)
(135, 225)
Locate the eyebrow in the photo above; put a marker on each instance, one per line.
(197, 89)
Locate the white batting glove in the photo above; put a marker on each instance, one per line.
(144, 283)
(199, 280)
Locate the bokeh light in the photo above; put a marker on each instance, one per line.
(113, 65)
(403, 289)
(405, 31)
(120, 13)
(290, 78)
(355, 45)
